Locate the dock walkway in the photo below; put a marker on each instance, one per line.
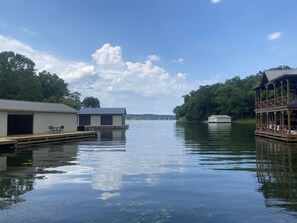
(15, 141)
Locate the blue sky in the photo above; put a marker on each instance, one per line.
(144, 55)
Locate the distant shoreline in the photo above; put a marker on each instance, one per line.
(149, 117)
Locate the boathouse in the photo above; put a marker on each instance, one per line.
(276, 106)
(219, 119)
(24, 117)
(101, 118)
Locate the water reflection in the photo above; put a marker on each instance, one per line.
(277, 173)
(219, 145)
(235, 148)
(142, 164)
(42, 166)
(112, 135)
(19, 169)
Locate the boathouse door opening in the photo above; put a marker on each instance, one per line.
(18, 124)
(106, 120)
(84, 120)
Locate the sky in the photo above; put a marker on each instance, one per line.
(146, 54)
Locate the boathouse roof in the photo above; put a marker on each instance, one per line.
(102, 111)
(29, 106)
(219, 116)
(272, 75)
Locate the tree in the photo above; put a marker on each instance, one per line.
(18, 79)
(235, 97)
(54, 89)
(73, 100)
(91, 102)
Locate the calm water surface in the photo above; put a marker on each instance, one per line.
(158, 171)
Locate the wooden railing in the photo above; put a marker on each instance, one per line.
(276, 102)
(280, 129)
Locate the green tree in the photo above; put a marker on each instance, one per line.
(18, 79)
(235, 97)
(73, 100)
(54, 89)
(91, 102)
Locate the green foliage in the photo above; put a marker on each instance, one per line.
(18, 81)
(91, 102)
(17, 78)
(235, 97)
(54, 89)
(73, 100)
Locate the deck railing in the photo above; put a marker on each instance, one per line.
(279, 129)
(275, 102)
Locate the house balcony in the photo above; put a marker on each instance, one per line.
(277, 102)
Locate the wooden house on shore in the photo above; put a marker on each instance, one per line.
(276, 105)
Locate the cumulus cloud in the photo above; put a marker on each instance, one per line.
(181, 76)
(274, 36)
(215, 1)
(141, 86)
(153, 58)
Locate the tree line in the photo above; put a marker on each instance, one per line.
(20, 81)
(235, 98)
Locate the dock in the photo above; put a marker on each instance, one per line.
(16, 141)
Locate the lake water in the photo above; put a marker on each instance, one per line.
(156, 171)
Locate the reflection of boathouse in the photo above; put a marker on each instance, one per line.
(276, 106)
(276, 172)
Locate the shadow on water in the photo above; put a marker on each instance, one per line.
(19, 169)
(277, 173)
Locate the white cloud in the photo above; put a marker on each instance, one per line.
(180, 61)
(215, 1)
(274, 36)
(141, 87)
(153, 58)
(181, 76)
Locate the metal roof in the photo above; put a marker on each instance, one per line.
(219, 116)
(272, 75)
(102, 111)
(29, 106)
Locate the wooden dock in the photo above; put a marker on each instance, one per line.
(22, 140)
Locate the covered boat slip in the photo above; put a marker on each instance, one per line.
(102, 118)
(276, 105)
(25, 123)
(25, 117)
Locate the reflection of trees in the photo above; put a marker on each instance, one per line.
(217, 136)
(277, 172)
(11, 190)
(22, 167)
(12, 186)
